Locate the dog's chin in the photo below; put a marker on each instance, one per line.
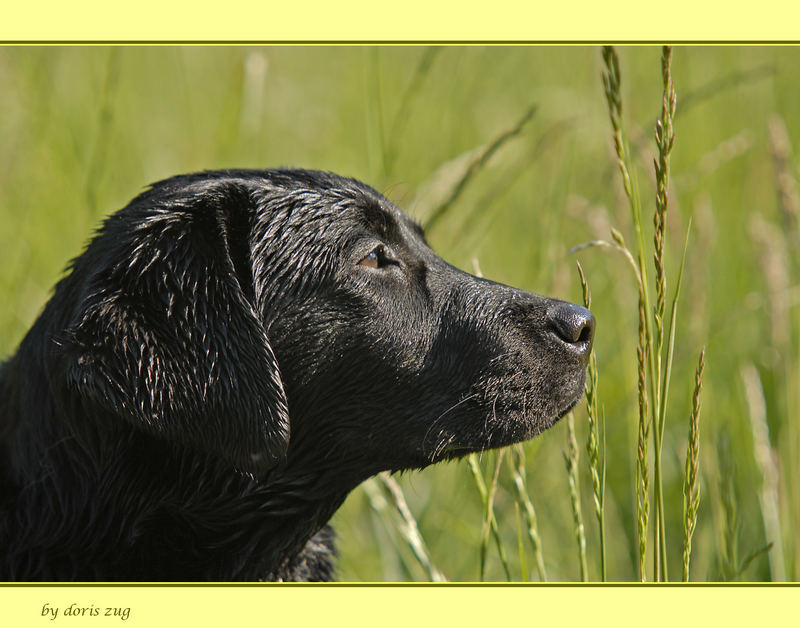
(507, 424)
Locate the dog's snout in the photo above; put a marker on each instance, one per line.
(573, 325)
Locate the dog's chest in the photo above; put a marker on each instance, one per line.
(313, 564)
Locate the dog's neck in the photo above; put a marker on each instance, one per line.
(188, 517)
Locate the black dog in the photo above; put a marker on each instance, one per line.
(233, 353)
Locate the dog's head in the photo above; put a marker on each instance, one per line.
(299, 318)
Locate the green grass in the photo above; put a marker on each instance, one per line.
(84, 129)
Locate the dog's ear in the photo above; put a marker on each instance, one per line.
(168, 336)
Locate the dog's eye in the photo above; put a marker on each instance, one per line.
(376, 258)
(371, 260)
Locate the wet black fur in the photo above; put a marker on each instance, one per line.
(217, 371)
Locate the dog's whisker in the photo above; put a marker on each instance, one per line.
(456, 405)
(440, 445)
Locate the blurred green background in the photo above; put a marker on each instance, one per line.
(84, 129)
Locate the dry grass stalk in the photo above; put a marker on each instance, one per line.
(774, 261)
(766, 459)
(409, 529)
(783, 161)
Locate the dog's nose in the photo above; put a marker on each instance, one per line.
(573, 325)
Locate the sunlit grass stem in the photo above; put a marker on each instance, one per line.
(571, 458)
(490, 523)
(526, 504)
(409, 528)
(477, 165)
(523, 560)
(644, 352)
(595, 447)
(665, 139)
(487, 496)
(651, 348)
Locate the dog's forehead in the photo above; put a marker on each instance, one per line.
(388, 220)
(331, 201)
(385, 218)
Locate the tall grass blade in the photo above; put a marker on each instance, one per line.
(691, 487)
(715, 87)
(523, 499)
(480, 483)
(571, 459)
(671, 330)
(409, 529)
(523, 559)
(490, 518)
(477, 165)
(644, 352)
(730, 522)
(751, 557)
(642, 472)
(488, 496)
(643, 432)
(490, 523)
(593, 445)
(383, 514)
(665, 138)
